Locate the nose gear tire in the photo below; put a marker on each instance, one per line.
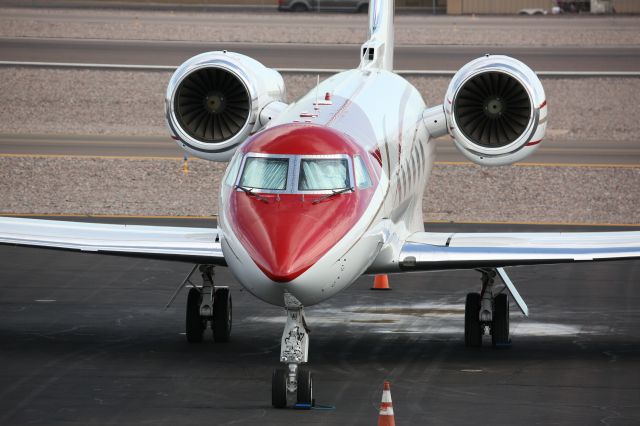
(279, 388)
(305, 387)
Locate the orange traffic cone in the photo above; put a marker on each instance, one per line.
(386, 417)
(381, 282)
(185, 165)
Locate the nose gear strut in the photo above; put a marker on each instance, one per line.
(294, 350)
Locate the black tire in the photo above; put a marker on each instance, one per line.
(472, 326)
(305, 387)
(363, 8)
(279, 388)
(299, 7)
(222, 315)
(500, 324)
(195, 325)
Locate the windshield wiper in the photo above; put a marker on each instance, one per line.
(333, 192)
(250, 192)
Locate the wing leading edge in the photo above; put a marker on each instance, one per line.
(198, 245)
(440, 251)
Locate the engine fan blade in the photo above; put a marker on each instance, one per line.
(212, 105)
(493, 109)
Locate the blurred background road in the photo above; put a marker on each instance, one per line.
(309, 56)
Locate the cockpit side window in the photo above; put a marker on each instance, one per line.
(265, 173)
(363, 180)
(323, 174)
(232, 174)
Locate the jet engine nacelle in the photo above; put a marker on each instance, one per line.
(214, 100)
(496, 110)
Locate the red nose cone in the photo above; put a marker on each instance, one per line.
(286, 234)
(286, 237)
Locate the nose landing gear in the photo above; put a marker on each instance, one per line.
(294, 350)
(292, 381)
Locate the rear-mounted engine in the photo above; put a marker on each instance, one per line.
(214, 100)
(496, 110)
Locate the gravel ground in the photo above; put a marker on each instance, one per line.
(94, 102)
(158, 187)
(131, 103)
(317, 28)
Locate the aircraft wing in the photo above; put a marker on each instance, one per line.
(439, 251)
(197, 245)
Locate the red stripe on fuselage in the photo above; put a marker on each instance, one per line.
(288, 235)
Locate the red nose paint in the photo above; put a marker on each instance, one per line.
(289, 234)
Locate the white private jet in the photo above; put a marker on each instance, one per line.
(323, 190)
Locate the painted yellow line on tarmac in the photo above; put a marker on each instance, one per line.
(589, 165)
(107, 216)
(592, 165)
(534, 223)
(215, 217)
(115, 157)
(440, 163)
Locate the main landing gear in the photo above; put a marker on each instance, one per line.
(207, 305)
(487, 312)
(293, 381)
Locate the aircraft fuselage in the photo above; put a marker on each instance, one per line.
(313, 244)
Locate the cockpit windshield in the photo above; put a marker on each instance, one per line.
(323, 174)
(301, 174)
(265, 173)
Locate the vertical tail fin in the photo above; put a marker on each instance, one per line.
(377, 52)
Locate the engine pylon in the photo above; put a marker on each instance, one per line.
(386, 417)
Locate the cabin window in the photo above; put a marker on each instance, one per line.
(363, 180)
(323, 174)
(265, 173)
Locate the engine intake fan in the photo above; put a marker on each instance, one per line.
(214, 100)
(212, 105)
(493, 109)
(496, 110)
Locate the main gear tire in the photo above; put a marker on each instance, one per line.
(472, 325)
(222, 315)
(195, 324)
(500, 323)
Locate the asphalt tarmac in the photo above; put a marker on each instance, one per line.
(551, 152)
(84, 339)
(316, 56)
